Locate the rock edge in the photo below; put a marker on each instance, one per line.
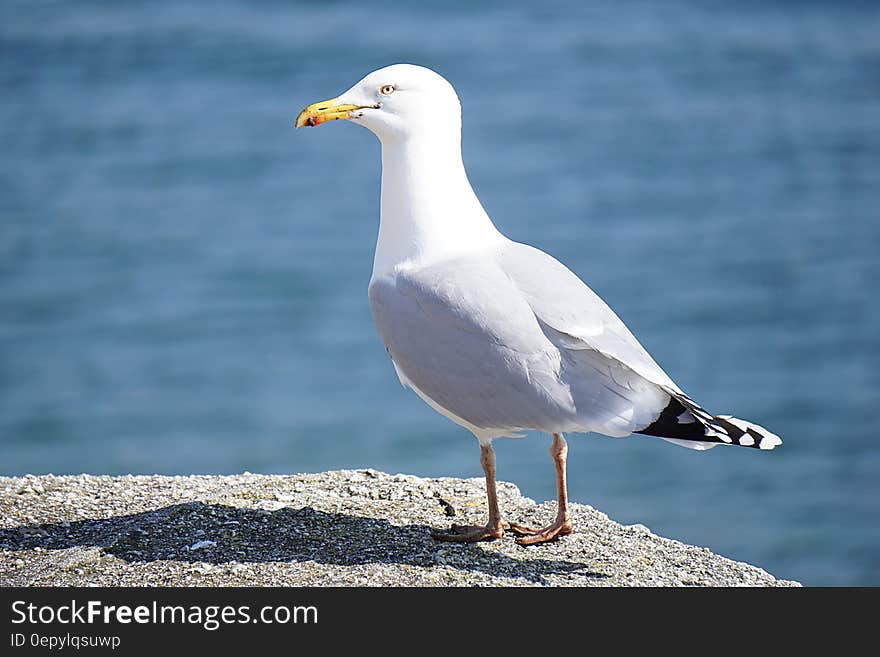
(338, 528)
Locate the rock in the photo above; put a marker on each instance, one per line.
(200, 545)
(338, 528)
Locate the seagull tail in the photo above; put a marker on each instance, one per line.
(685, 423)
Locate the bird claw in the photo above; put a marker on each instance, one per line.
(533, 536)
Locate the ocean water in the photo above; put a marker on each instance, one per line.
(183, 276)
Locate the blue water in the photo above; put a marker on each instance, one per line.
(183, 276)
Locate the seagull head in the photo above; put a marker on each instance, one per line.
(394, 102)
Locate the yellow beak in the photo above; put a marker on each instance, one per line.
(326, 110)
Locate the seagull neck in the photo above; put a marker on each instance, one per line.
(429, 209)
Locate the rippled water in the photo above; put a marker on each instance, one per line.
(183, 277)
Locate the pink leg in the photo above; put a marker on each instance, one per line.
(562, 525)
(492, 529)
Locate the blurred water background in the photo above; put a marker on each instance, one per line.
(183, 276)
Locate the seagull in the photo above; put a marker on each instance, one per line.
(496, 335)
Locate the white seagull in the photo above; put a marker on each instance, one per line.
(496, 335)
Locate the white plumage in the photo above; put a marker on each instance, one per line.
(496, 335)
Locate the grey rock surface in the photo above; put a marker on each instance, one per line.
(340, 528)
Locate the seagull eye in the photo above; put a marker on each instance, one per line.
(387, 90)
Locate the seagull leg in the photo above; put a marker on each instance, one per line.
(492, 529)
(562, 525)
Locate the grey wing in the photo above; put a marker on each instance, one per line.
(576, 316)
(464, 336)
(583, 327)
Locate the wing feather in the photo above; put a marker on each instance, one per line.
(580, 317)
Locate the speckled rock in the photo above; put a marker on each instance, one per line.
(340, 528)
